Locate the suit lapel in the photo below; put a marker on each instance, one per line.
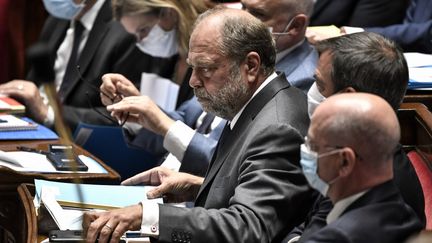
(227, 141)
(96, 35)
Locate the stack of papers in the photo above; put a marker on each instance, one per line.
(420, 70)
(65, 205)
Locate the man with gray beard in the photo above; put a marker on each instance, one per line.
(254, 190)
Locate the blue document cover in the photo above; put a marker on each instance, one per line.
(95, 196)
(40, 133)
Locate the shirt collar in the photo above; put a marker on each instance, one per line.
(341, 205)
(88, 19)
(285, 52)
(267, 81)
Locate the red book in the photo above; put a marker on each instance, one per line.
(10, 105)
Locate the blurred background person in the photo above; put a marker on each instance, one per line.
(79, 33)
(359, 13)
(162, 29)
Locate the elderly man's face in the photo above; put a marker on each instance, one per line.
(323, 79)
(217, 81)
(275, 14)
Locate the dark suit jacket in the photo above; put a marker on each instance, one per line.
(358, 13)
(406, 180)
(109, 48)
(254, 190)
(415, 33)
(380, 216)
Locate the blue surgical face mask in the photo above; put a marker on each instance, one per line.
(63, 9)
(309, 163)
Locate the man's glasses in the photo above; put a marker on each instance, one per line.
(114, 99)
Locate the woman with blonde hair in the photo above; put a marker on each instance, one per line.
(162, 27)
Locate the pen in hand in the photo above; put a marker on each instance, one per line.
(27, 149)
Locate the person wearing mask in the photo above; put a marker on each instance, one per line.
(288, 20)
(295, 57)
(85, 43)
(342, 69)
(348, 157)
(254, 190)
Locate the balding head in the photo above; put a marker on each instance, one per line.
(364, 122)
(363, 131)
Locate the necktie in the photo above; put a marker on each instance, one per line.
(204, 128)
(71, 67)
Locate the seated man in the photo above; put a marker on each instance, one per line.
(254, 190)
(295, 57)
(367, 62)
(348, 156)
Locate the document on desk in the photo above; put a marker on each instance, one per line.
(420, 70)
(35, 162)
(65, 206)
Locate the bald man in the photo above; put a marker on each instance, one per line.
(348, 157)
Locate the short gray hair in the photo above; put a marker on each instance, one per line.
(240, 36)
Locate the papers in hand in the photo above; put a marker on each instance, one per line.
(35, 162)
(162, 91)
(13, 123)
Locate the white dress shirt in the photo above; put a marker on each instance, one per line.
(150, 217)
(64, 52)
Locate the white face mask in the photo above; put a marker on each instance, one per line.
(314, 98)
(159, 43)
(284, 32)
(63, 9)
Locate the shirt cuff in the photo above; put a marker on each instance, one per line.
(178, 138)
(49, 119)
(294, 239)
(150, 218)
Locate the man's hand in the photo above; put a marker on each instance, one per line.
(173, 186)
(27, 93)
(144, 111)
(111, 224)
(115, 86)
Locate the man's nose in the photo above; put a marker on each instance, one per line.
(194, 80)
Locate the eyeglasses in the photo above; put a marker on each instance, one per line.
(114, 99)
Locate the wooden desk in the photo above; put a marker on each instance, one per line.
(15, 215)
(416, 127)
(419, 96)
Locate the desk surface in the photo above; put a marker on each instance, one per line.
(13, 177)
(15, 219)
